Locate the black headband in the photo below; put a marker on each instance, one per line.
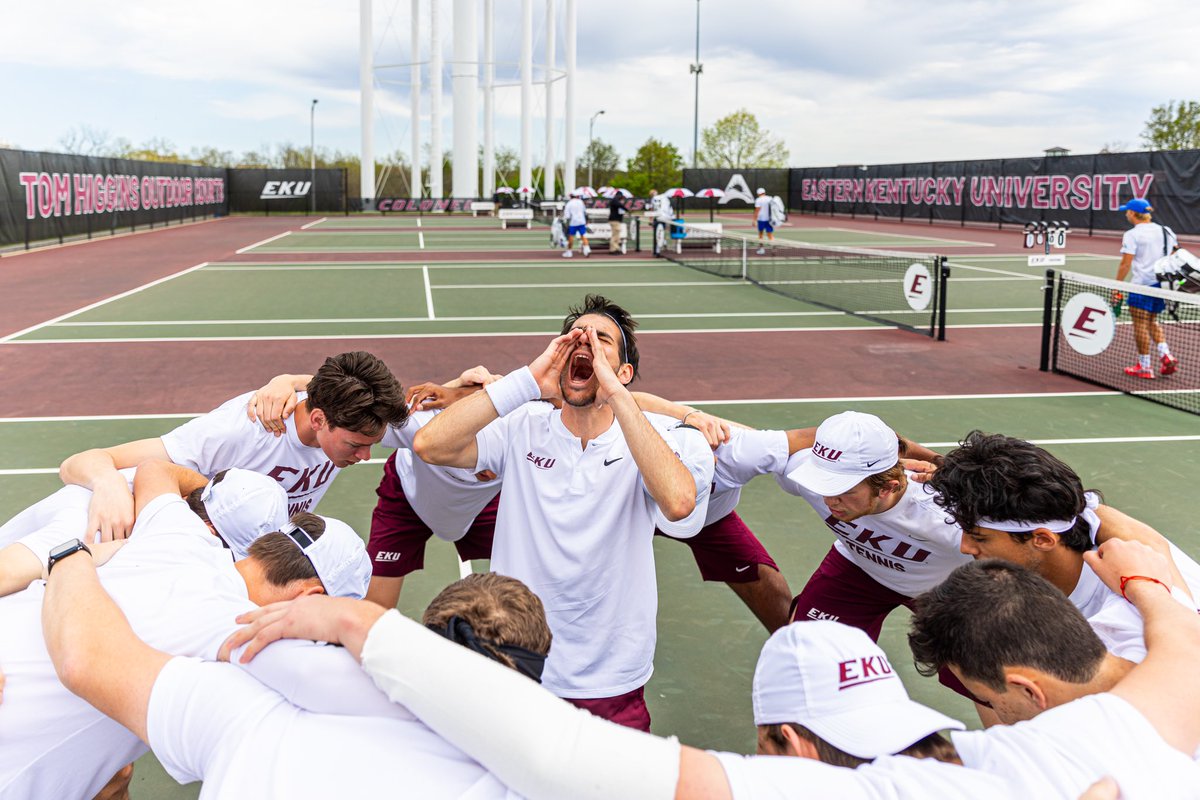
(459, 631)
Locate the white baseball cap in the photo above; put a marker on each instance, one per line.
(832, 679)
(849, 447)
(338, 556)
(243, 506)
(761, 191)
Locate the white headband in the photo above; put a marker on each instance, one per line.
(1020, 526)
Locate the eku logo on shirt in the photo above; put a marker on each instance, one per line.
(541, 462)
(858, 671)
(828, 453)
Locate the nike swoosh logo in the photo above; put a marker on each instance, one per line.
(615, 460)
(870, 464)
(741, 569)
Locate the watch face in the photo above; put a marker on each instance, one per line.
(65, 548)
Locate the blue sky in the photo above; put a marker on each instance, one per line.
(858, 81)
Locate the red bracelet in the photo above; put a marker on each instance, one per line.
(1127, 578)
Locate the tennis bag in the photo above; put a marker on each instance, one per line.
(1179, 272)
(778, 211)
(558, 237)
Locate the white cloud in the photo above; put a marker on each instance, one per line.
(850, 82)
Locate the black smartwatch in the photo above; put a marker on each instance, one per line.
(67, 548)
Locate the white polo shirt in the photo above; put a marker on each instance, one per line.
(447, 499)
(1145, 243)
(211, 722)
(575, 525)
(745, 456)
(1063, 751)
(886, 778)
(910, 548)
(179, 590)
(225, 438)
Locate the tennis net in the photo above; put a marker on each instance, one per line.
(1088, 334)
(904, 290)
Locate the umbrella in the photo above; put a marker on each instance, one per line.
(525, 190)
(585, 191)
(679, 194)
(504, 190)
(611, 192)
(711, 194)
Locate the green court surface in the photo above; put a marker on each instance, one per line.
(472, 295)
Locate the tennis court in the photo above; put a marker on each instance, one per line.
(455, 291)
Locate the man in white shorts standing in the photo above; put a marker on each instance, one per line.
(584, 489)
(762, 216)
(575, 213)
(351, 401)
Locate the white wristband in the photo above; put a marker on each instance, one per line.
(513, 391)
(538, 745)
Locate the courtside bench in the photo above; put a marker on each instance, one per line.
(516, 215)
(485, 206)
(704, 234)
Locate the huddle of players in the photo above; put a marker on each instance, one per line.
(587, 479)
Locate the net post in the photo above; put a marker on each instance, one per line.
(944, 276)
(1047, 319)
(744, 272)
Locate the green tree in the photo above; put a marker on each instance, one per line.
(604, 160)
(656, 165)
(737, 142)
(1175, 126)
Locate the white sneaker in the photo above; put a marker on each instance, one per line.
(568, 254)
(761, 251)
(587, 251)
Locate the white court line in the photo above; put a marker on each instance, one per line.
(1024, 275)
(420, 240)
(592, 284)
(905, 236)
(464, 568)
(486, 334)
(904, 398)
(250, 247)
(1098, 440)
(314, 222)
(734, 402)
(428, 293)
(334, 266)
(98, 303)
(418, 222)
(530, 318)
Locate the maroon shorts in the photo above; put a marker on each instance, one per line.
(398, 536)
(627, 709)
(841, 591)
(727, 551)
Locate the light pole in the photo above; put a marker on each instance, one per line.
(591, 150)
(312, 154)
(696, 69)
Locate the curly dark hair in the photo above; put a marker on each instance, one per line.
(598, 304)
(997, 476)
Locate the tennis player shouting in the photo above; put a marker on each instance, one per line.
(584, 488)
